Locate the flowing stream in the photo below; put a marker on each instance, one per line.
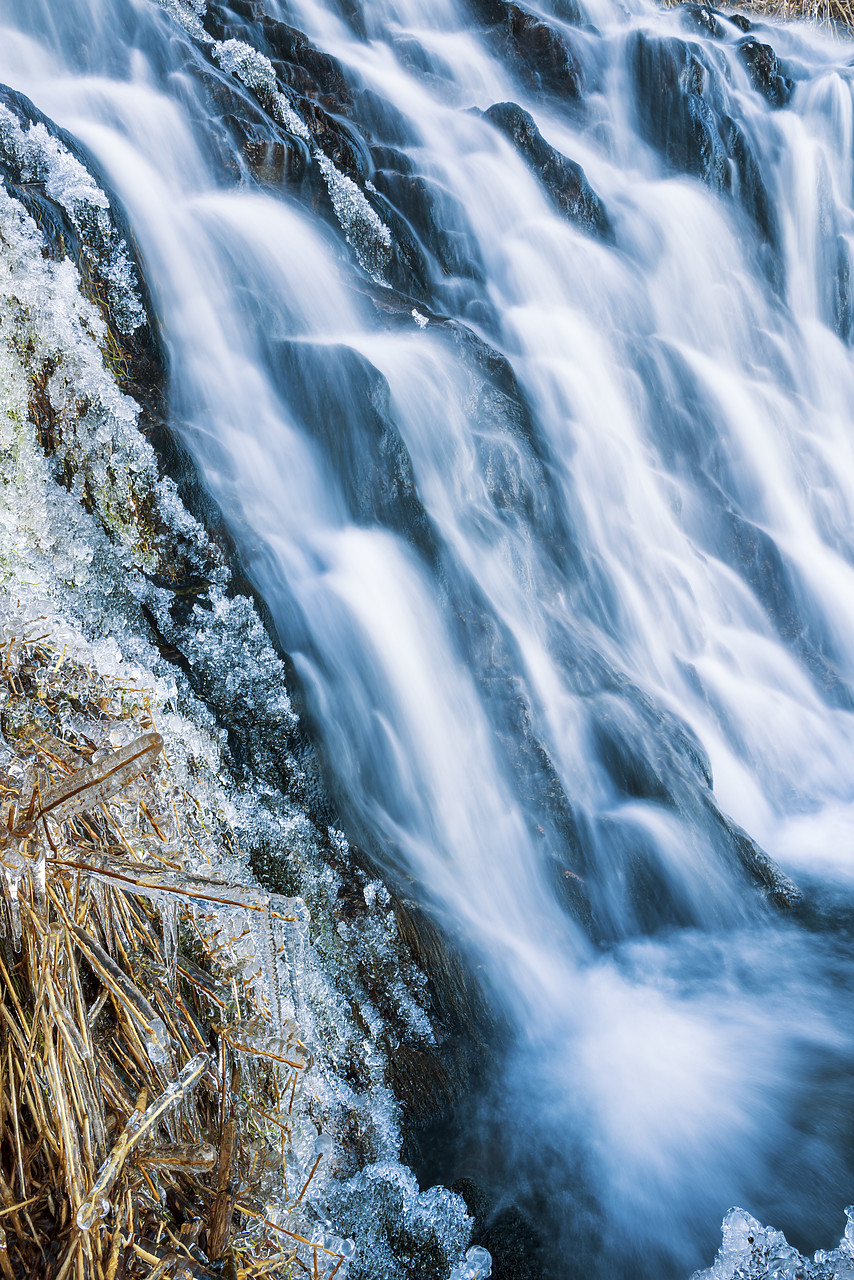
(547, 481)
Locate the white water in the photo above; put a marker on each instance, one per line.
(690, 1048)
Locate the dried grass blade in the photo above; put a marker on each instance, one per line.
(92, 785)
(141, 1123)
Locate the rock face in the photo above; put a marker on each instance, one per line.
(543, 56)
(84, 223)
(564, 180)
(764, 69)
(680, 111)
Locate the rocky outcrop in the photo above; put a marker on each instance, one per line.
(545, 57)
(680, 110)
(564, 180)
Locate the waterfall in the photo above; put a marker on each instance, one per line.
(514, 343)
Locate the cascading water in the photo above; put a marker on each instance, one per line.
(547, 479)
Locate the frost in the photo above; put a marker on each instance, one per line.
(750, 1251)
(189, 14)
(362, 225)
(383, 1202)
(42, 158)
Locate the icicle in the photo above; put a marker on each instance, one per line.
(169, 918)
(14, 869)
(265, 946)
(102, 779)
(292, 917)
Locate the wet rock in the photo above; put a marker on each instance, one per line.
(841, 302)
(701, 18)
(741, 21)
(343, 403)
(781, 891)
(273, 157)
(564, 180)
(756, 556)
(674, 116)
(748, 187)
(544, 56)
(434, 219)
(764, 70)
(312, 79)
(680, 109)
(297, 61)
(515, 1246)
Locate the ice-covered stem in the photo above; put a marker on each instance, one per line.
(91, 786)
(96, 1205)
(155, 1036)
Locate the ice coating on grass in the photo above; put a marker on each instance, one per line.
(43, 159)
(750, 1251)
(141, 1124)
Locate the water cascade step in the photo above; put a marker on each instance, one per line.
(511, 344)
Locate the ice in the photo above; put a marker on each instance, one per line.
(43, 159)
(14, 870)
(189, 13)
(750, 1251)
(476, 1265)
(383, 1202)
(104, 778)
(324, 1146)
(141, 1124)
(363, 227)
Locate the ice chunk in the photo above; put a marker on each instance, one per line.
(323, 1145)
(476, 1265)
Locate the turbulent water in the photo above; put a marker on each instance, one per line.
(547, 480)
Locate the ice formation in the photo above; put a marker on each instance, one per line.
(366, 232)
(41, 158)
(79, 562)
(750, 1251)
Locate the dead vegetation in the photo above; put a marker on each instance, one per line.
(836, 15)
(148, 1078)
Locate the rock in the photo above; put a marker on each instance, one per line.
(701, 18)
(343, 403)
(94, 244)
(515, 1247)
(564, 180)
(679, 100)
(542, 54)
(297, 62)
(673, 114)
(764, 70)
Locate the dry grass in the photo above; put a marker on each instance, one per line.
(835, 14)
(145, 1095)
